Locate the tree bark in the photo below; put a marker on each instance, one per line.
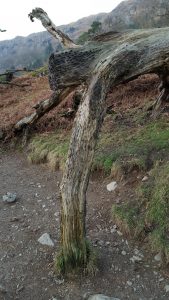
(75, 251)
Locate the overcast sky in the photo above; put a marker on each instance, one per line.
(14, 13)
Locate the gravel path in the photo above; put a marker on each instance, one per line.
(26, 266)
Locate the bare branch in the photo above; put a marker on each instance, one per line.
(42, 108)
(63, 38)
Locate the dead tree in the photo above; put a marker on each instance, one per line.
(107, 61)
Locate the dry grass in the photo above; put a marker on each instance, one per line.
(16, 102)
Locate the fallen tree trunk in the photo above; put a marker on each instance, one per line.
(113, 60)
(107, 61)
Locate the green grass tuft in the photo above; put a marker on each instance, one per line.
(150, 213)
(51, 149)
(142, 145)
(79, 258)
(43, 70)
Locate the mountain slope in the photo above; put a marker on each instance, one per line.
(34, 50)
(138, 14)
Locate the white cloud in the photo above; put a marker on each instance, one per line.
(14, 13)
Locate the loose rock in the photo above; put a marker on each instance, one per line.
(129, 283)
(167, 288)
(145, 178)
(46, 240)
(136, 258)
(101, 297)
(2, 289)
(112, 186)
(9, 197)
(157, 257)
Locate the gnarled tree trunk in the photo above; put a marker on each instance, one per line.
(77, 171)
(105, 62)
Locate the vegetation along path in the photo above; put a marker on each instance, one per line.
(126, 270)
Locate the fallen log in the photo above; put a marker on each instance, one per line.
(101, 64)
(107, 61)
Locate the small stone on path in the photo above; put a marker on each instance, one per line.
(119, 233)
(9, 197)
(167, 288)
(145, 178)
(136, 258)
(112, 186)
(129, 283)
(101, 297)
(157, 257)
(46, 240)
(2, 289)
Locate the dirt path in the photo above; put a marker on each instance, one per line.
(26, 266)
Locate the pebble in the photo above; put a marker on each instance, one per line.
(9, 197)
(100, 297)
(145, 178)
(2, 289)
(167, 288)
(123, 252)
(107, 243)
(135, 258)
(112, 186)
(161, 279)
(157, 257)
(129, 283)
(46, 240)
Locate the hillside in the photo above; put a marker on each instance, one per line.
(33, 51)
(134, 14)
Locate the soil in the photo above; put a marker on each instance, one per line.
(26, 266)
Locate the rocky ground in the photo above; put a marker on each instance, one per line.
(126, 270)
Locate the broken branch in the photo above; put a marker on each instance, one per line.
(42, 108)
(63, 38)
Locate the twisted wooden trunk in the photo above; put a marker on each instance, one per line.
(105, 62)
